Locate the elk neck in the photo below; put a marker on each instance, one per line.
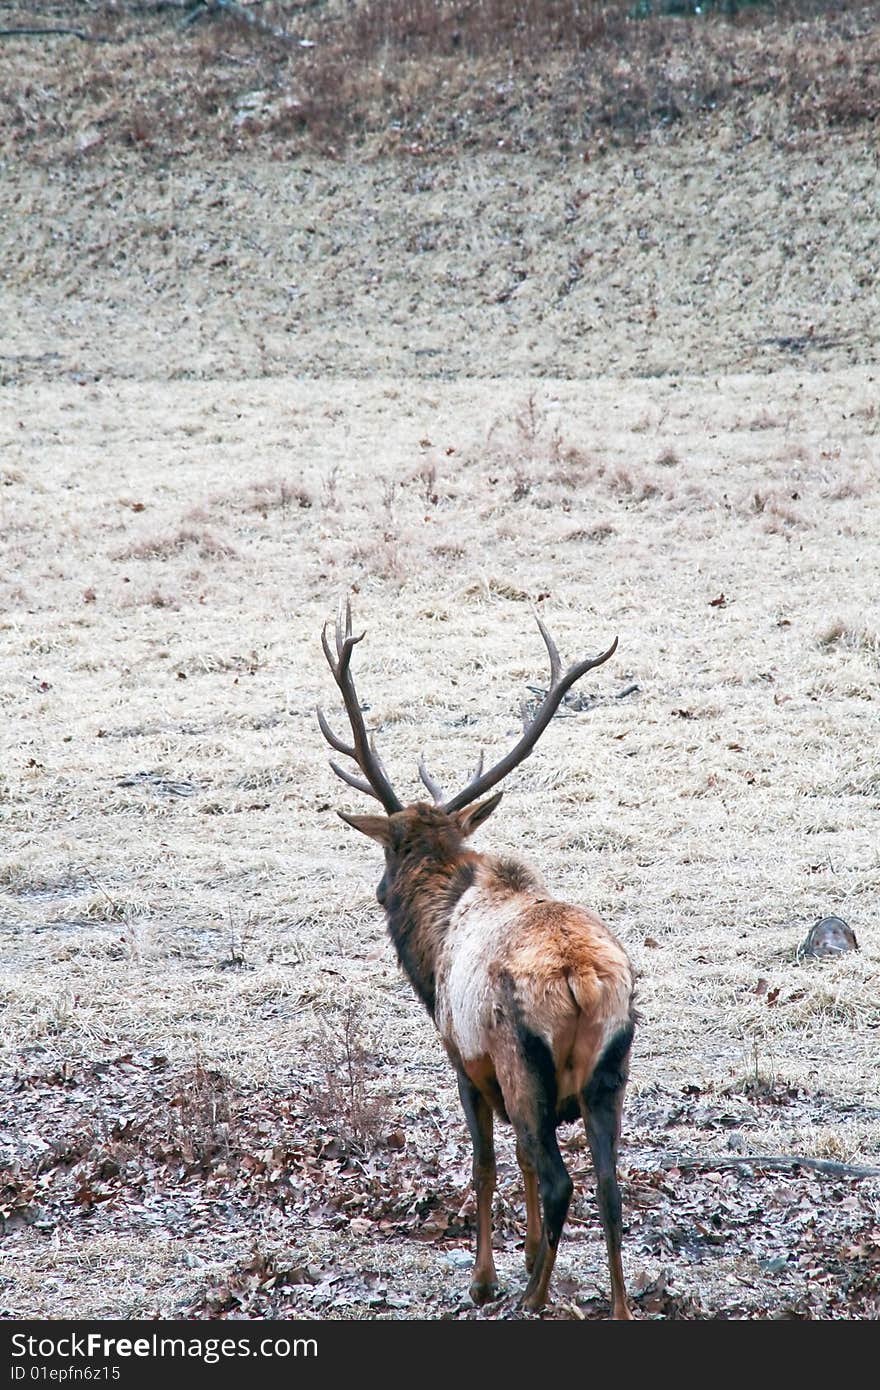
(420, 895)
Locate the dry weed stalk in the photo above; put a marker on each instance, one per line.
(345, 1107)
(201, 1124)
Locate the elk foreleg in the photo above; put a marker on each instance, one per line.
(478, 1114)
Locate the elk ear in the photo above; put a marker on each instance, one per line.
(377, 827)
(472, 816)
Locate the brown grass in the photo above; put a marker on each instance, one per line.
(206, 545)
(176, 880)
(420, 76)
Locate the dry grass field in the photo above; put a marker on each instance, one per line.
(218, 1095)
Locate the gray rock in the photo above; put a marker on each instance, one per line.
(828, 936)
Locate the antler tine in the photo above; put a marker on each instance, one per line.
(333, 739)
(345, 641)
(553, 650)
(375, 781)
(354, 781)
(326, 645)
(344, 638)
(338, 631)
(433, 786)
(560, 684)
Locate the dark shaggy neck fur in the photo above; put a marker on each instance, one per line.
(426, 874)
(514, 876)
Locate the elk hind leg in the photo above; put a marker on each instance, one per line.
(478, 1114)
(528, 1082)
(533, 1207)
(601, 1106)
(556, 1188)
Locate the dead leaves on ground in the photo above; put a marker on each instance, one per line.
(133, 1144)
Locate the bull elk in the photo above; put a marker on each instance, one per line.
(532, 998)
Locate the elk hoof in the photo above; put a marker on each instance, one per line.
(482, 1291)
(532, 1302)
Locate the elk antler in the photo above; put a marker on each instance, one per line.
(375, 781)
(434, 786)
(532, 728)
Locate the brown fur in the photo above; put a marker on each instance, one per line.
(533, 1001)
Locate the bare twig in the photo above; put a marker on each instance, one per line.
(100, 887)
(774, 1163)
(208, 7)
(44, 33)
(585, 702)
